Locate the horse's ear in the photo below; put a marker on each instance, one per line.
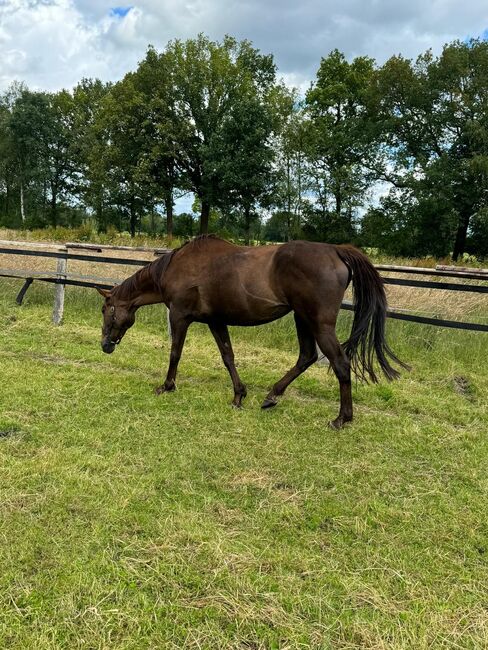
(103, 292)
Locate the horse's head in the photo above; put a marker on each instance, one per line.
(118, 316)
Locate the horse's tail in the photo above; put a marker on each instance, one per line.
(368, 329)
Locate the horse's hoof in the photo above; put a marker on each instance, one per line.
(338, 423)
(159, 390)
(268, 403)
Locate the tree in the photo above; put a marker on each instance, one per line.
(209, 80)
(340, 139)
(243, 157)
(433, 119)
(36, 142)
(7, 160)
(293, 170)
(87, 148)
(56, 149)
(120, 125)
(153, 80)
(28, 130)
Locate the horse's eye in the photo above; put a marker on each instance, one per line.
(112, 309)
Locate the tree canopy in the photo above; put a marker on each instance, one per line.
(393, 156)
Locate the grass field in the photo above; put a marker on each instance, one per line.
(134, 521)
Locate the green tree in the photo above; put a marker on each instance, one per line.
(28, 130)
(341, 140)
(8, 163)
(293, 170)
(159, 157)
(209, 79)
(56, 149)
(121, 161)
(37, 136)
(433, 120)
(87, 148)
(243, 158)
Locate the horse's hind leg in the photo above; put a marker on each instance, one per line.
(308, 356)
(330, 346)
(222, 338)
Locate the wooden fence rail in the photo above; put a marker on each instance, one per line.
(62, 277)
(439, 271)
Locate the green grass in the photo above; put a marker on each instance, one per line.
(134, 521)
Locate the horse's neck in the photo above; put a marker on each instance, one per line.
(141, 290)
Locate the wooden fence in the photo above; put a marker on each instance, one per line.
(96, 254)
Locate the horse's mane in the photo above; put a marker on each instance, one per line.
(153, 271)
(131, 285)
(197, 239)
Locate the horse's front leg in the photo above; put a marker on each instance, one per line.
(222, 338)
(179, 327)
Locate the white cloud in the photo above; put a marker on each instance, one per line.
(51, 44)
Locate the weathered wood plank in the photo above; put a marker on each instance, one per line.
(427, 271)
(461, 269)
(109, 247)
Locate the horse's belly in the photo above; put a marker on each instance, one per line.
(250, 317)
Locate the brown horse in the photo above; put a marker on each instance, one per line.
(212, 281)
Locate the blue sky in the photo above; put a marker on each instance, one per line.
(120, 11)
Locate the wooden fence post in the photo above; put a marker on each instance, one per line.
(59, 290)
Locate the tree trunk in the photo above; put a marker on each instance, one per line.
(288, 200)
(298, 210)
(462, 231)
(102, 226)
(247, 224)
(204, 217)
(338, 200)
(168, 204)
(22, 207)
(54, 206)
(7, 201)
(133, 217)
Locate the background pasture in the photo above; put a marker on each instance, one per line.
(135, 521)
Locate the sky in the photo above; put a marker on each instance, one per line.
(52, 44)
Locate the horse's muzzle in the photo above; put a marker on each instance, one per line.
(108, 346)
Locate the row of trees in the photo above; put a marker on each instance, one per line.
(392, 156)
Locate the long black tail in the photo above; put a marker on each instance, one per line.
(368, 329)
